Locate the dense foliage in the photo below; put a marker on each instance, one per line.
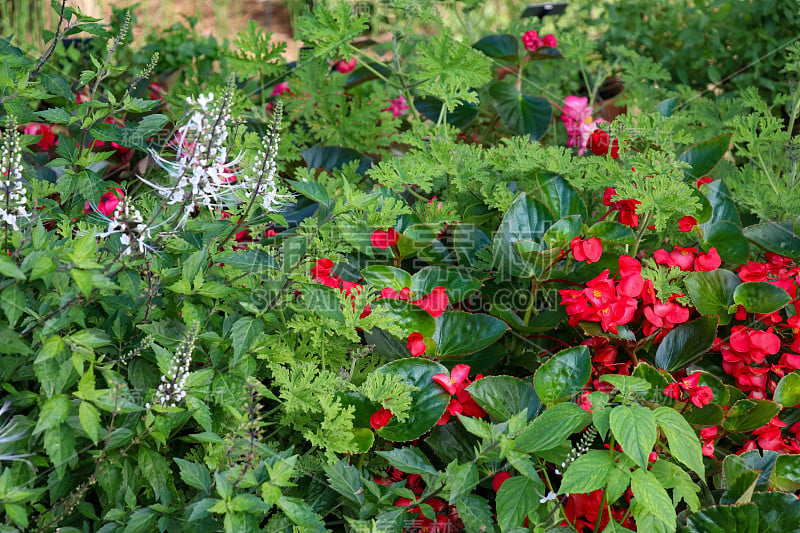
(398, 285)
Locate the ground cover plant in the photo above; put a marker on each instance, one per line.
(398, 285)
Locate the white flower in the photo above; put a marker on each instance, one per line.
(12, 189)
(171, 390)
(261, 181)
(127, 221)
(551, 496)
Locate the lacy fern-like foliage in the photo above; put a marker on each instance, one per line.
(330, 27)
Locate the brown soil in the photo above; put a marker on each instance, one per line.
(221, 19)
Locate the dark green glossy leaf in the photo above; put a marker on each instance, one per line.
(747, 415)
(559, 196)
(382, 276)
(667, 107)
(460, 333)
(724, 519)
(407, 316)
(332, 158)
(787, 469)
(452, 442)
(704, 156)
(564, 375)
(247, 260)
(761, 460)
(709, 415)
(563, 231)
(712, 292)
(521, 113)
(610, 232)
(415, 238)
(362, 407)
(760, 297)
(741, 489)
(728, 239)
(498, 46)
(723, 208)
(552, 427)
(778, 237)
(468, 240)
(408, 459)
(427, 404)
(787, 393)
(778, 512)
(504, 396)
(527, 219)
(458, 284)
(686, 343)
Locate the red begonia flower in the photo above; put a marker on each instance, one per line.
(708, 261)
(380, 418)
(435, 303)
(589, 250)
(416, 344)
(455, 381)
(345, 66)
(384, 239)
(686, 224)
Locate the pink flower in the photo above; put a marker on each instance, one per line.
(701, 396)
(533, 42)
(384, 239)
(380, 418)
(416, 344)
(280, 88)
(397, 106)
(345, 66)
(577, 118)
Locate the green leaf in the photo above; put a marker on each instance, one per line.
(243, 332)
(747, 415)
(704, 156)
(89, 417)
(454, 441)
(787, 467)
(787, 393)
(667, 107)
(740, 490)
(778, 512)
(683, 442)
(777, 237)
(499, 46)
(461, 480)
(13, 302)
(728, 239)
(255, 261)
(406, 316)
(721, 200)
(521, 113)
(686, 344)
(610, 232)
(9, 268)
(557, 194)
(54, 412)
(155, 470)
(504, 396)
(634, 427)
(194, 474)
(461, 333)
(458, 284)
(59, 443)
(468, 240)
(649, 493)
(475, 513)
(346, 480)
(724, 519)
(552, 427)
(382, 276)
(408, 459)
(760, 297)
(712, 292)
(427, 404)
(142, 520)
(527, 219)
(517, 498)
(300, 513)
(587, 473)
(564, 375)
(563, 231)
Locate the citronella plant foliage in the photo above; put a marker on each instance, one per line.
(408, 293)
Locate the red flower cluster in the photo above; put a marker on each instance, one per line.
(626, 208)
(688, 388)
(605, 301)
(588, 250)
(600, 143)
(708, 435)
(435, 303)
(583, 511)
(689, 259)
(107, 204)
(463, 402)
(533, 42)
(384, 239)
(446, 516)
(321, 272)
(770, 437)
